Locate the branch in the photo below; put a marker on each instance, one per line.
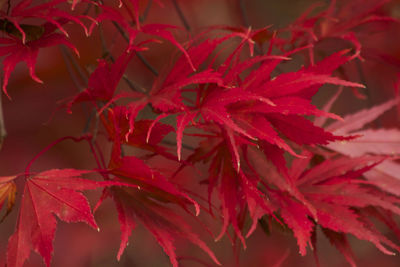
(146, 11)
(70, 69)
(74, 63)
(3, 132)
(181, 15)
(243, 12)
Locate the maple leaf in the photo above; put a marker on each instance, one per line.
(339, 240)
(159, 30)
(48, 11)
(261, 108)
(162, 222)
(153, 189)
(332, 195)
(103, 81)
(26, 39)
(49, 193)
(135, 170)
(8, 190)
(198, 53)
(334, 188)
(255, 111)
(121, 130)
(345, 22)
(237, 189)
(15, 51)
(296, 216)
(167, 97)
(372, 141)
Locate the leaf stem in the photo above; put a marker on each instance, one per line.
(47, 148)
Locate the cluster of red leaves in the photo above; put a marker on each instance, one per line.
(269, 155)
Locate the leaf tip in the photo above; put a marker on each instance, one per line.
(238, 166)
(6, 93)
(197, 209)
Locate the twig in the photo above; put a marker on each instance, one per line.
(70, 69)
(3, 132)
(146, 11)
(87, 10)
(134, 86)
(363, 80)
(181, 15)
(367, 91)
(104, 47)
(95, 130)
(246, 23)
(243, 12)
(141, 58)
(89, 119)
(75, 64)
(73, 68)
(147, 64)
(8, 7)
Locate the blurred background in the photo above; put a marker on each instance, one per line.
(33, 120)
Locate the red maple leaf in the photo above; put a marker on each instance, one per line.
(16, 51)
(121, 131)
(344, 21)
(261, 108)
(160, 30)
(339, 195)
(103, 81)
(152, 189)
(49, 193)
(25, 40)
(248, 111)
(161, 221)
(49, 11)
